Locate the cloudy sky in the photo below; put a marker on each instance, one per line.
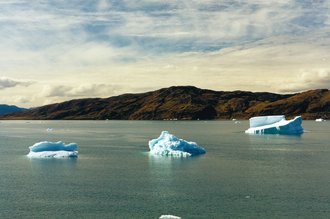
(56, 50)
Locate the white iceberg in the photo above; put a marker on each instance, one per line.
(169, 217)
(47, 149)
(169, 145)
(275, 125)
(320, 120)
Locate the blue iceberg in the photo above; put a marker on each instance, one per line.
(169, 145)
(275, 125)
(47, 149)
(169, 217)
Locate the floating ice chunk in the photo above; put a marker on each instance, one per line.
(169, 145)
(320, 120)
(236, 121)
(275, 125)
(53, 154)
(47, 149)
(53, 146)
(169, 217)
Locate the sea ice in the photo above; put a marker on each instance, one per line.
(46, 149)
(169, 145)
(275, 125)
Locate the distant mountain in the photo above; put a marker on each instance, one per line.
(186, 103)
(7, 109)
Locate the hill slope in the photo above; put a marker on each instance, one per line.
(186, 102)
(7, 109)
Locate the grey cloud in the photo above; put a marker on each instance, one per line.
(9, 83)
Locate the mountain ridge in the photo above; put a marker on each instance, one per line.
(185, 103)
(7, 109)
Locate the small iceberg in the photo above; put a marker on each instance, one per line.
(169, 145)
(46, 149)
(275, 125)
(169, 217)
(320, 120)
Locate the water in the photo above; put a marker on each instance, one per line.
(240, 176)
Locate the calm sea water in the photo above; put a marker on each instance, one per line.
(240, 176)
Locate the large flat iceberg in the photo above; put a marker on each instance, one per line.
(275, 125)
(169, 145)
(46, 149)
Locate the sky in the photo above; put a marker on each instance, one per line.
(57, 50)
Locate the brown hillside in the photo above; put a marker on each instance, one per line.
(185, 102)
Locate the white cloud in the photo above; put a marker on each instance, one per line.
(229, 21)
(84, 90)
(307, 79)
(21, 100)
(103, 5)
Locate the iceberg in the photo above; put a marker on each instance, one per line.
(46, 149)
(169, 217)
(169, 145)
(275, 125)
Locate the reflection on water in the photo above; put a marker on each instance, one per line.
(166, 165)
(48, 168)
(40, 164)
(161, 176)
(274, 142)
(165, 173)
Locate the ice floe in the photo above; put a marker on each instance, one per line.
(169, 145)
(275, 125)
(46, 149)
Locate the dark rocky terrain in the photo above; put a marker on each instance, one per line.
(185, 103)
